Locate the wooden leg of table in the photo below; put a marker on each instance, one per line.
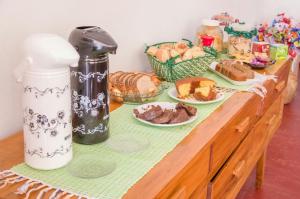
(260, 170)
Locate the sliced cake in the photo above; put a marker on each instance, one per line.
(205, 93)
(185, 87)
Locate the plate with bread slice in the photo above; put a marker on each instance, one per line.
(165, 114)
(196, 90)
(134, 87)
(236, 72)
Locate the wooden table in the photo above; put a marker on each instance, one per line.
(214, 160)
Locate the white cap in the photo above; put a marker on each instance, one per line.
(49, 51)
(44, 51)
(241, 27)
(210, 22)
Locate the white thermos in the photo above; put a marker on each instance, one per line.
(45, 75)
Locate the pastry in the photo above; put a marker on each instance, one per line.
(174, 53)
(166, 117)
(179, 116)
(189, 109)
(187, 55)
(152, 50)
(181, 51)
(156, 115)
(162, 55)
(205, 93)
(181, 47)
(178, 60)
(151, 114)
(235, 70)
(185, 87)
(197, 52)
(166, 46)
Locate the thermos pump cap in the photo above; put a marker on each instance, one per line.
(92, 42)
(46, 53)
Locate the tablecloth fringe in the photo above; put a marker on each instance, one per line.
(8, 177)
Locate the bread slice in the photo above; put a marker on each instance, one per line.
(129, 88)
(121, 83)
(114, 76)
(145, 85)
(134, 82)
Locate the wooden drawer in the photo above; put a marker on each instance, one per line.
(232, 171)
(199, 193)
(232, 176)
(232, 134)
(274, 89)
(194, 175)
(268, 124)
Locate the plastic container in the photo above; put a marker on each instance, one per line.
(211, 28)
(47, 118)
(89, 84)
(239, 45)
(278, 51)
(45, 75)
(240, 39)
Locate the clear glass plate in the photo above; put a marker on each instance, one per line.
(90, 166)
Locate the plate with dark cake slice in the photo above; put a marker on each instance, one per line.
(165, 114)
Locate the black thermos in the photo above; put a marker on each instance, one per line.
(89, 84)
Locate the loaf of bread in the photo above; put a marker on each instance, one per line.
(235, 70)
(133, 83)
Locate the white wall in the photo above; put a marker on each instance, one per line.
(273, 7)
(132, 23)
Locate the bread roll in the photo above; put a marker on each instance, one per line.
(197, 52)
(181, 47)
(178, 60)
(187, 55)
(166, 46)
(152, 50)
(174, 53)
(162, 55)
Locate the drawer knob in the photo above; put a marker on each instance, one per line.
(280, 86)
(241, 127)
(179, 194)
(238, 169)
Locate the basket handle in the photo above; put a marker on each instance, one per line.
(189, 43)
(146, 48)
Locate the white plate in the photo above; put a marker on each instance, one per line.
(164, 105)
(173, 94)
(257, 77)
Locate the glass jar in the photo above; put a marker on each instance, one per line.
(239, 45)
(240, 39)
(211, 28)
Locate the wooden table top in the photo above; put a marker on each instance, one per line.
(11, 148)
